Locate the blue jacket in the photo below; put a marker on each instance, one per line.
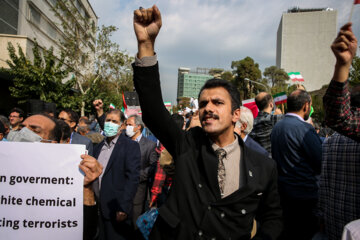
(121, 177)
(296, 148)
(251, 143)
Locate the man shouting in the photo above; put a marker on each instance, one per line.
(220, 186)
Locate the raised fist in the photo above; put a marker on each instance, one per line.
(147, 24)
(98, 104)
(345, 45)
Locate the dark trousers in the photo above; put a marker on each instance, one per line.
(300, 220)
(162, 230)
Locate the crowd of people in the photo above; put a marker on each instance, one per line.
(217, 173)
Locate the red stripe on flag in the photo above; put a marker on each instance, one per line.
(281, 102)
(356, 1)
(124, 103)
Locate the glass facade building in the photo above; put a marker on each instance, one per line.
(190, 83)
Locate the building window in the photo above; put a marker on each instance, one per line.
(35, 16)
(37, 19)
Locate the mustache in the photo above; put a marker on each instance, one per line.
(210, 115)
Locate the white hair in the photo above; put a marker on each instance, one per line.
(246, 116)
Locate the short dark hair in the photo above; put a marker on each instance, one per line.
(2, 129)
(178, 119)
(18, 110)
(56, 132)
(65, 130)
(232, 90)
(72, 115)
(297, 99)
(117, 111)
(263, 102)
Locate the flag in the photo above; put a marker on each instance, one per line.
(356, 1)
(250, 104)
(296, 76)
(112, 106)
(280, 98)
(124, 103)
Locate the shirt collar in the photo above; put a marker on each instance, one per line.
(295, 115)
(138, 138)
(227, 148)
(112, 141)
(246, 136)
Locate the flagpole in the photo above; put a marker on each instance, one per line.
(351, 12)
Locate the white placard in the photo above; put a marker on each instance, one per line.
(41, 191)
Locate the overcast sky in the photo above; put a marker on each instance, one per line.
(199, 33)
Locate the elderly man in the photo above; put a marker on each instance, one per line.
(134, 127)
(244, 126)
(296, 148)
(220, 185)
(117, 186)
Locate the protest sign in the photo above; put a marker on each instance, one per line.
(41, 191)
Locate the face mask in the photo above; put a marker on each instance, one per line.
(111, 129)
(24, 135)
(130, 131)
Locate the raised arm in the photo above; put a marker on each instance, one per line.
(147, 24)
(338, 114)
(99, 108)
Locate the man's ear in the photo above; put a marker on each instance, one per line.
(306, 107)
(236, 115)
(243, 126)
(72, 125)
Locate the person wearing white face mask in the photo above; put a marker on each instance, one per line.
(117, 186)
(42, 128)
(134, 127)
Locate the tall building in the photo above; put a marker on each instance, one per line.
(303, 44)
(23, 21)
(190, 83)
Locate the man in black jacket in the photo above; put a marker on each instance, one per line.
(220, 185)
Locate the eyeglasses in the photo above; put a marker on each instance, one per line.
(65, 119)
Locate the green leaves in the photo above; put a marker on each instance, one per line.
(39, 79)
(246, 68)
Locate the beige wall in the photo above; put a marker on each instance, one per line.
(303, 45)
(25, 43)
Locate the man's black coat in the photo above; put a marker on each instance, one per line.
(194, 208)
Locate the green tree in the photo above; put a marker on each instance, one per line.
(354, 78)
(228, 76)
(246, 68)
(41, 78)
(99, 66)
(216, 72)
(276, 76)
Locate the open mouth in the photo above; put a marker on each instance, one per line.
(208, 118)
